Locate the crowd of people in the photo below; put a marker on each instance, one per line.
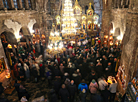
(72, 76)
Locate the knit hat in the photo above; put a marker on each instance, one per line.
(93, 81)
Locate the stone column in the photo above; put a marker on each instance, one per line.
(1, 5)
(32, 4)
(114, 3)
(11, 4)
(130, 4)
(26, 5)
(122, 3)
(20, 6)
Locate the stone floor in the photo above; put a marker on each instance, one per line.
(36, 90)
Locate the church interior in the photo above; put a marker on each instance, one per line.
(68, 51)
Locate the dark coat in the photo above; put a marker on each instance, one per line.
(105, 95)
(57, 85)
(72, 89)
(53, 96)
(34, 72)
(23, 92)
(96, 98)
(64, 94)
(99, 70)
(16, 85)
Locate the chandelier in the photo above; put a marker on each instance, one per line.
(68, 20)
(55, 44)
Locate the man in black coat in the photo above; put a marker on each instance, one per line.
(99, 69)
(64, 94)
(53, 96)
(72, 90)
(57, 85)
(16, 85)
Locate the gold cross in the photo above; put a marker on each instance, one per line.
(90, 3)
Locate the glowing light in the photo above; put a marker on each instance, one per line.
(95, 22)
(111, 31)
(120, 37)
(32, 31)
(99, 25)
(55, 48)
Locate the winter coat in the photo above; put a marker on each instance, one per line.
(72, 89)
(53, 97)
(64, 94)
(93, 87)
(83, 86)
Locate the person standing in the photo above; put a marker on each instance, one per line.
(102, 84)
(112, 89)
(64, 94)
(72, 90)
(93, 87)
(27, 71)
(83, 87)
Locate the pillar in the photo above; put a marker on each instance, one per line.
(1, 5)
(114, 3)
(32, 4)
(122, 3)
(119, 3)
(11, 4)
(130, 4)
(20, 6)
(26, 4)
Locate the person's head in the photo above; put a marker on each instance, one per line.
(64, 62)
(92, 72)
(61, 64)
(91, 63)
(102, 78)
(83, 81)
(109, 63)
(78, 70)
(113, 81)
(115, 59)
(21, 87)
(72, 82)
(84, 60)
(63, 86)
(93, 81)
(104, 56)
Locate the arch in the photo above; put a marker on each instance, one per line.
(117, 32)
(9, 37)
(36, 26)
(8, 42)
(25, 33)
